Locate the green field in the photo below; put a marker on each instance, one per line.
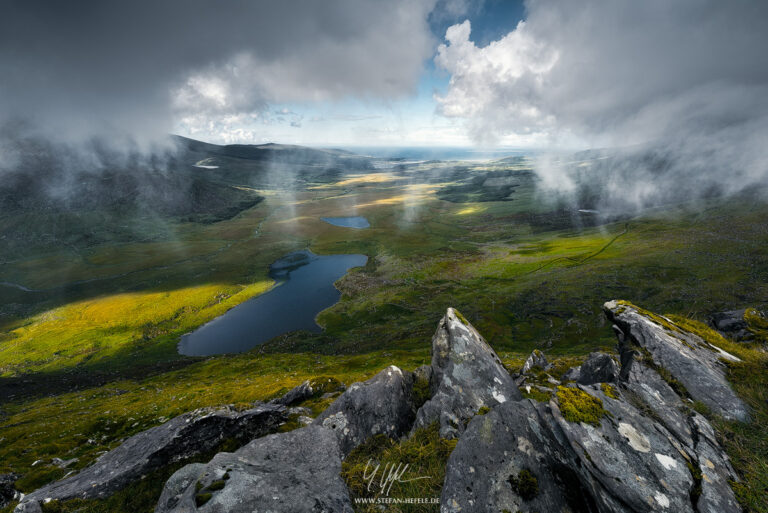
(90, 357)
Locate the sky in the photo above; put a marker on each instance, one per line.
(553, 74)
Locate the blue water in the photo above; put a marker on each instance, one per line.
(304, 289)
(348, 222)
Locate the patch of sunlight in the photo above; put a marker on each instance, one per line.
(470, 210)
(64, 336)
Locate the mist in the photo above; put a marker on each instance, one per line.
(674, 92)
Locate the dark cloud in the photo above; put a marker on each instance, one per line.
(78, 69)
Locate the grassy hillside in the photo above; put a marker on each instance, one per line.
(89, 355)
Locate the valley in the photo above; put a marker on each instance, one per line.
(89, 354)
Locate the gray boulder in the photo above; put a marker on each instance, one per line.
(535, 359)
(689, 359)
(381, 405)
(466, 375)
(598, 368)
(180, 438)
(294, 472)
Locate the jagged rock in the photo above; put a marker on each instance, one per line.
(381, 405)
(500, 454)
(180, 438)
(732, 324)
(598, 368)
(632, 458)
(647, 390)
(629, 462)
(466, 375)
(292, 472)
(8, 493)
(690, 360)
(535, 359)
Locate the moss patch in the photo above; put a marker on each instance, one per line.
(525, 484)
(578, 406)
(609, 390)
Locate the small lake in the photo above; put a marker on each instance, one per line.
(304, 288)
(348, 222)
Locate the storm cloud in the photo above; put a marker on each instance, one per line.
(75, 70)
(687, 80)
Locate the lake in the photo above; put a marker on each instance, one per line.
(348, 222)
(304, 288)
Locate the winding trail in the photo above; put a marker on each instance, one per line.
(578, 261)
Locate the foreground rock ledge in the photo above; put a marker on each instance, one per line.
(180, 438)
(290, 472)
(618, 440)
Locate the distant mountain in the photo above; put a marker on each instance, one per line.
(55, 194)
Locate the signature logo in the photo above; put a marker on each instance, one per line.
(383, 478)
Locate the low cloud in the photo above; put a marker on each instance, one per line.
(685, 81)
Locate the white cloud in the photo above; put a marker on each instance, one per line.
(689, 78)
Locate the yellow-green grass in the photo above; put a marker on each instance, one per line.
(120, 324)
(421, 459)
(84, 423)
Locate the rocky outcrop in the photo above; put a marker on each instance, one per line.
(691, 361)
(292, 472)
(382, 405)
(180, 438)
(466, 375)
(535, 359)
(630, 446)
(614, 438)
(524, 456)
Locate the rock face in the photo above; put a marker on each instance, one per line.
(509, 459)
(524, 456)
(466, 375)
(639, 449)
(381, 405)
(598, 368)
(179, 438)
(292, 472)
(690, 360)
(535, 359)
